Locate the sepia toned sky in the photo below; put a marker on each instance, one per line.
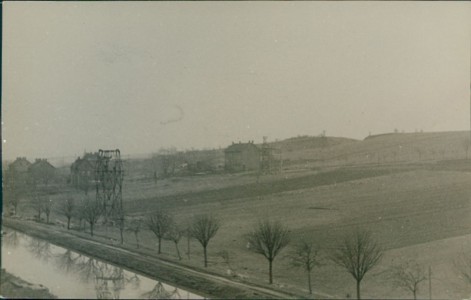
(140, 76)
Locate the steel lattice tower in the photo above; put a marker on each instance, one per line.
(109, 175)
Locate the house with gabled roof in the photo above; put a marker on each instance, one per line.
(41, 171)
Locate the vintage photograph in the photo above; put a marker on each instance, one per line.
(238, 150)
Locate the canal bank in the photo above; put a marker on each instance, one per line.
(68, 274)
(193, 280)
(14, 287)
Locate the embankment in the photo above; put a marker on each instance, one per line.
(194, 280)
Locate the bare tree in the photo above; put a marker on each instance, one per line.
(188, 238)
(135, 227)
(175, 234)
(15, 200)
(68, 208)
(38, 203)
(47, 209)
(160, 223)
(408, 276)
(268, 239)
(358, 254)
(462, 266)
(305, 256)
(224, 254)
(203, 229)
(91, 211)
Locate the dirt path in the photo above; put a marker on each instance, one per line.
(199, 282)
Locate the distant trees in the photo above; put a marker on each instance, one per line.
(160, 223)
(408, 276)
(305, 256)
(91, 211)
(67, 209)
(203, 229)
(268, 239)
(357, 254)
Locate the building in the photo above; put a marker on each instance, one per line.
(82, 171)
(242, 157)
(20, 165)
(17, 172)
(41, 171)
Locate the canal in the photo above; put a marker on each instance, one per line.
(68, 274)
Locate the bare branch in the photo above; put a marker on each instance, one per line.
(160, 223)
(357, 254)
(203, 229)
(268, 239)
(408, 276)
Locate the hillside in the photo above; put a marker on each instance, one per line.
(380, 149)
(407, 189)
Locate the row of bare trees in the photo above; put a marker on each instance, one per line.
(203, 228)
(357, 254)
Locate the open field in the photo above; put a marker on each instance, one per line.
(415, 208)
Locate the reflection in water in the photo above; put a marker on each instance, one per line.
(66, 262)
(109, 280)
(40, 249)
(134, 281)
(65, 267)
(158, 292)
(10, 239)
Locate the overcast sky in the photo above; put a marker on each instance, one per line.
(140, 76)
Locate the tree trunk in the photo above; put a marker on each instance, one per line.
(91, 229)
(121, 233)
(358, 289)
(415, 294)
(68, 223)
(309, 281)
(47, 218)
(188, 244)
(160, 242)
(137, 239)
(178, 251)
(270, 271)
(205, 258)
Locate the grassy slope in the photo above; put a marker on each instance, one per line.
(420, 204)
(387, 148)
(400, 208)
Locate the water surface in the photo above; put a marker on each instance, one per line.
(68, 274)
